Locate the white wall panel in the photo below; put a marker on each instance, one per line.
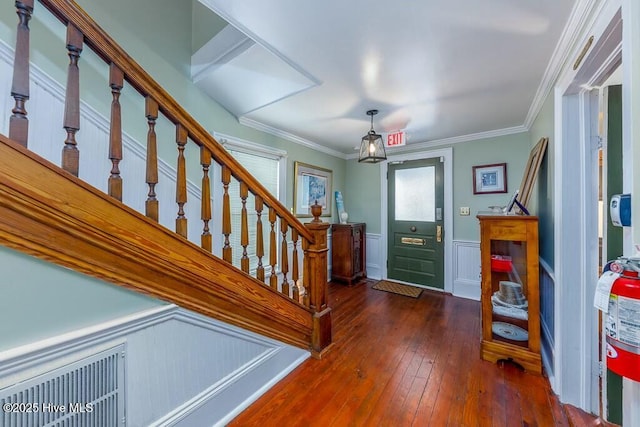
(547, 304)
(374, 255)
(466, 269)
(181, 368)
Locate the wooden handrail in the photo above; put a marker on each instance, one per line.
(53, 215)
(104, 46)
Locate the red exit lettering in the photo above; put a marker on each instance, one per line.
(395, 139)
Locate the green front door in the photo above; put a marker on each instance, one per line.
(416, 219)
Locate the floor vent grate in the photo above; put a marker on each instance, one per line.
(89, 392)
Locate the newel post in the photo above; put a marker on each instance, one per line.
(315, 276)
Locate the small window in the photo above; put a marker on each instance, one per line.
(267, 166)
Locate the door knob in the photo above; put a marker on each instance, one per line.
(413, 228)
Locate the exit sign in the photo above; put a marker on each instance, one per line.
(395, 139)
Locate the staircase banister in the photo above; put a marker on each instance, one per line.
(67, 11)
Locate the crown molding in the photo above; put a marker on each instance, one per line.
(581, 13)
(233, 142)
(409, 147)
(290, 137)
(427, 145)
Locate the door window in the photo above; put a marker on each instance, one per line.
(415, 195)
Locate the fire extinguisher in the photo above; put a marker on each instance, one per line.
(623, 320)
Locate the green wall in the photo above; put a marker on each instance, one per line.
(510, 149)
(361, 193)
(40, 300)
(543, 192)
(362, 184)
(205, 25)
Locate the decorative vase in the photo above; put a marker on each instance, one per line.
(316, 211)
(343, 217)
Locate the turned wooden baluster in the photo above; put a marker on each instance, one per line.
(305, 274)
(116, 81)
(284, 258)
(273, 254)
(259, 238)
(205, 211)
(315, 278)
(181, 184)
(226, 215)
(244, 228)
(19, 123)
(294, 270)
(70, 153)
(151, 204)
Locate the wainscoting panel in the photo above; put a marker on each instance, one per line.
(374, 254)
(547, 313)
(466, 269)
(181, 368)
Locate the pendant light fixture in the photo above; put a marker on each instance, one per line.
(371, 147)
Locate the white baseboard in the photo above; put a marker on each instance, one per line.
(223, 402)
(467, 289)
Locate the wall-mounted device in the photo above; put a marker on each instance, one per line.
(620, 210)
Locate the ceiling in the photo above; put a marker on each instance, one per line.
(440, 70)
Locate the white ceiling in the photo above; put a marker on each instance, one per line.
(437, 69)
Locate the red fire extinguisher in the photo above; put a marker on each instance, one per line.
(623, 321)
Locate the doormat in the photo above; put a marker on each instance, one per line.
(397, 288)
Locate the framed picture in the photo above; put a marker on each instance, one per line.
(488, 179)
(311, 184)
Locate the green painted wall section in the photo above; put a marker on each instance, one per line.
(510, 149)
(361, 193)
(205, 25)
(615, 239)
(362, 185)
(40, 300)
(543, 192)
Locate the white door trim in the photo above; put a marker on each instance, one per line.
(447, 155)
(575, 225)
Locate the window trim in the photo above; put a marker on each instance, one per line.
(238, 144)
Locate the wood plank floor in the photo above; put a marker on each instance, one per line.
(400, 361)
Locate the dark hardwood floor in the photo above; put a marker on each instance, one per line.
(400, 361)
